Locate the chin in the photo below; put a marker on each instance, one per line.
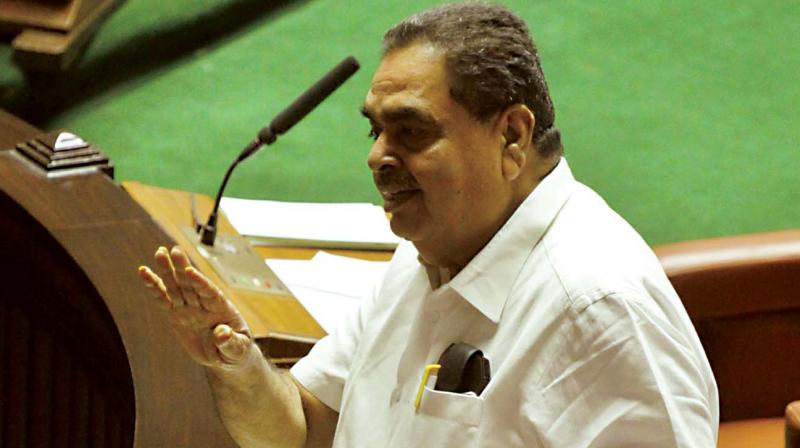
(400, 230)
(404, 227)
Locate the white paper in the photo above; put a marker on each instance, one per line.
(330, 225)
(328, 309)
(330, 287)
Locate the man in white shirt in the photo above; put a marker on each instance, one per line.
(586, 341)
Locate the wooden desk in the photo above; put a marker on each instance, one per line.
(286, 328)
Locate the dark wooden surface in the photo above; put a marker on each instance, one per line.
(52, 35)
(68, 259)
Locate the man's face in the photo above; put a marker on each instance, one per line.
(437, 168)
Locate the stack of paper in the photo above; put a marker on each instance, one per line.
(347, 226)
(330, 287)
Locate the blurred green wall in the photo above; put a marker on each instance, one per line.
(682, 114)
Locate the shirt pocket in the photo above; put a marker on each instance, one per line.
(447, 419)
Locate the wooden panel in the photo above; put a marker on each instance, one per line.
(79, 408)
(52, 34)
(41, 390)
(15, 400)
(3, 330)
(14, 130)
(68, 330)
(77, 242)
(98, 410)
(58, 15)
(62, 385)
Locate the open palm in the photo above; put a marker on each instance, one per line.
(208, 325)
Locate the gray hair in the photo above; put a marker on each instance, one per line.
(491, 60)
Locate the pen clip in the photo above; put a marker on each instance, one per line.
(430, 369)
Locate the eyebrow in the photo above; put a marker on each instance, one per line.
(401, 114)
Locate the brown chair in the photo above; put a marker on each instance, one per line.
(743, 295)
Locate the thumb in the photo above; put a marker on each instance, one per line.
(232, 346)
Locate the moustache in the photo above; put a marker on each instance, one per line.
(393, 180)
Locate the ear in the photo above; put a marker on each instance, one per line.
(517, 122)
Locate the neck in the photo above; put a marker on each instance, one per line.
(455, 255)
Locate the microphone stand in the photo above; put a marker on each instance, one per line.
(208, 232)
(230, 255)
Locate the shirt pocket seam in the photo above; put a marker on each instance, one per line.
(450, 406)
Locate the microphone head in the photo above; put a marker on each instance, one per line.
(280, 124)
(311, 98)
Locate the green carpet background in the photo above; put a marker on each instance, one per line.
(682, 114)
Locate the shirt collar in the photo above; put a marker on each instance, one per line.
(486, 281)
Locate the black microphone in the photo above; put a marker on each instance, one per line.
(304, 104)
(296, 111)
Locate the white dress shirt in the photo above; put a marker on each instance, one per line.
(588, 342)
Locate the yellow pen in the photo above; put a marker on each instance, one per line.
(429, 369)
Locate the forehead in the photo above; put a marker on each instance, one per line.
(410, 77)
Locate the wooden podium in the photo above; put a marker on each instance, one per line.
(88, 360)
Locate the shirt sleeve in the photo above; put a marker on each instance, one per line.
(325, 369)
(627, 378)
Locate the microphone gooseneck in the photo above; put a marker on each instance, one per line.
(284, 121)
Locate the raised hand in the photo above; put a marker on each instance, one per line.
(208, 325)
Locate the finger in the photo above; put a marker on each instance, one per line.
(208, 294)
(167, 273)
(155, 285)
(180, 262)
(232, 346)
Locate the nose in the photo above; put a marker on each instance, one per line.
(381, 157)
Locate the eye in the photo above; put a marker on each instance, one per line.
(411, 131)
(416, 137)
(374, 133)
